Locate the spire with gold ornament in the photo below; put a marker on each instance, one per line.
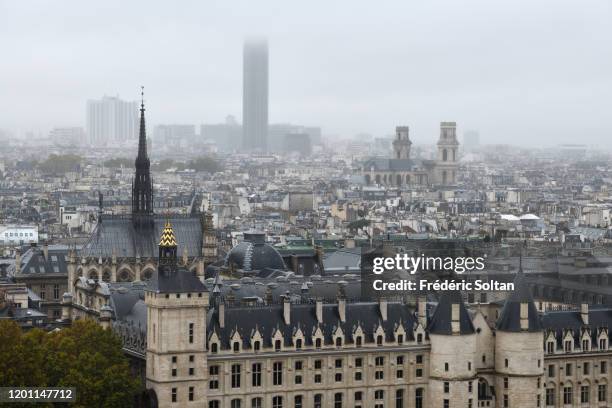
(168, 246)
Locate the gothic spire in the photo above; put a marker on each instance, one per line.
(142, 188)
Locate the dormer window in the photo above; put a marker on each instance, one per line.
(568, 346)
(298, 344)
(277, 345)
(213, 348)
(400, 339)
(358, 341)
(419, 338)
(318, 343)
(603, 344)
(585, 345)
(236, 347)
(256, 346)
(379, 340)
(338, 341)
(550, 347)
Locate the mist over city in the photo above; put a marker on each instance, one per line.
(317, 204)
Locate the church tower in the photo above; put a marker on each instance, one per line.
(209, 236)
(402, 143)
(142, 186)
(447, 158)
(177, 304)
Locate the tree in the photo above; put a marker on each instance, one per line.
(60, 164)
(119, 162)
(206, 163)
(84, 356)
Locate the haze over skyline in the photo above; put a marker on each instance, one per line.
(531, 73)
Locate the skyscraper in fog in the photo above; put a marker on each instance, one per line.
(111, 120)
(255, 95)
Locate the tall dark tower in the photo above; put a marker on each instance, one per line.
(142, 186)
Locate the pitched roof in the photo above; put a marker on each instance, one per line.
(441, 321)
(510, 317)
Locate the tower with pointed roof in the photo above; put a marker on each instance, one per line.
(519, 353)
(209, 237)
(177, 304)
(453, 353)
(142, 186)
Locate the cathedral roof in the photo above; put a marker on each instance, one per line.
(119, 236)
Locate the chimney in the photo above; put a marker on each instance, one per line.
(422, 310)
(349, 243)
(46, 251)
(455, 325)
(319, 310)
(17, 261)
(342, 309)
(382, 306)
(287, 310)
(105, 316)
(584, 313)
(524, 316)
(66, 306)
(222, 315)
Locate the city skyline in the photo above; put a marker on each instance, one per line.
(542, 75)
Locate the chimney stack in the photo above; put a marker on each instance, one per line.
(422, 310)
(382, 306)
(287, 310)
(222, 314)
(319, 310)
(455, 324)
(46, 251)
(524, 316)
(584, 313)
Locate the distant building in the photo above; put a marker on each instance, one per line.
(278, 131)
(401, 170)
(67, 136)
(111, 119)
(174, 134)
(18, 234)
(298, 143)
(227, 136)
(471, 139)
(255, 96)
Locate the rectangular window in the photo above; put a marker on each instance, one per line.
(191, 371)
(257, 402)
(380, 361)
(297, 401)
(379, 375)
(317, 378)
(586, 368)
(419, 372)
(550, 396)
(399, 373)
(214, 404)
(174, 395)
(584, 394)
(317, 364)
(602, 392)
(419, 359)
(190, 332)
(446, 387)
(358, 362)
(190, 393)
(298, 365)
(358, 376)
(551, 370)
(568, 369)
(338, 400)
(506, 401)
(277, 373)
(174, 372)
(235, 375)
(568, 395)
(256, 375)
(277, 402)
(56, 293)
(399, 399)
(338, 377)
(603, 367)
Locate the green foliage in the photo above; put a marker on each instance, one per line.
(60, 164)
(205, 163)
(361, 223)
(84, 356)
(119, 162)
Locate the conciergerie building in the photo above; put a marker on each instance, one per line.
(217, 344)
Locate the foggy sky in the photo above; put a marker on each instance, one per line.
(519, 71)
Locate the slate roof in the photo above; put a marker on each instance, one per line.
(441, 320)
(510, 317)
(255, 256)
(34, 263)
(267, 319)
(119, 234)
(175, 281)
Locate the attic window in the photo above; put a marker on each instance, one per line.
(338, 341)
(213, 348)
(298, 344)
(400, 339)
(318, 343)
(379, 340)
(236, 347)
(256, 346)
(277, 345)
(358, 341)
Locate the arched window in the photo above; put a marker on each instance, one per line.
(214, 348)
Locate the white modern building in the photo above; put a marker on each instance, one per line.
(111, 119)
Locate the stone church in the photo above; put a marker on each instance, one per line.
(401, 170)
(123, 248)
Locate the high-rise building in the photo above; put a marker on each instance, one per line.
(255, 96)
(111, 119)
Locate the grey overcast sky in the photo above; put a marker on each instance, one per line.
(519, 71)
